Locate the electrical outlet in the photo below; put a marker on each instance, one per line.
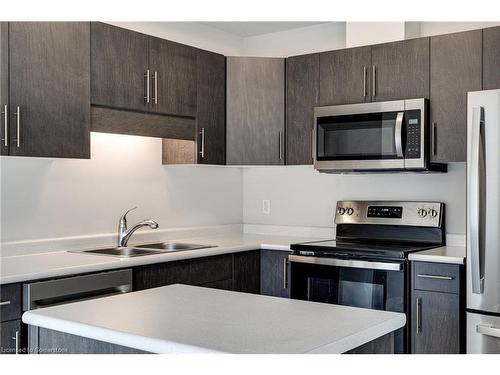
(266, 206)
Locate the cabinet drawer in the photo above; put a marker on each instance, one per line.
(436, 277)
(10, 302)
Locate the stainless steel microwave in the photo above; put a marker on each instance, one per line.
(380, 136)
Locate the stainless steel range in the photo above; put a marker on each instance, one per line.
(367, 264)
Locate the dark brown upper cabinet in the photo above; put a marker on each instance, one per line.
(211, 108)
(345, 76)
(400, 70)
(455, 69)
(119, 64)
(49, 89)
(172, 69)
(302, 95)
(255, 105)
(491, 58)
(4, 88)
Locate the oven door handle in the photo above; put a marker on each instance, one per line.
(349, 263)
(398, 134)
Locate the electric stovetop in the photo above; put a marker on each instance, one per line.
(333, 248)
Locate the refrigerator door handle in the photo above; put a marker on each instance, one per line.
(475, 192)
(488, 330)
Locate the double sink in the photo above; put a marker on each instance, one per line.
(148, 249)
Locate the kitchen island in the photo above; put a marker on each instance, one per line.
(187, 319)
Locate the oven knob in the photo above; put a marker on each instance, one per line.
(422, 212)
(350, 211)
(341, 210)
(432, 212)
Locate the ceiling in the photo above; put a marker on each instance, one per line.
(246, 29)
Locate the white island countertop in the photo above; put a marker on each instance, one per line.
(187, 319)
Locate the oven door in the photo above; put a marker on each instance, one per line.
(359, 283)
(358, 137)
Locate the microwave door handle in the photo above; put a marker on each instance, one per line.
(475, 199)
(398, 134)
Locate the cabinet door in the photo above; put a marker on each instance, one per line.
(302, 95)
(345, 76)
(211, 108)
(275, 273)
(491, 58)
(435, 323)
(400, 70)
(4, 88)
(10, 337)
(173, 77)
(119, 62)
(247, 272)
(455, 70)
(255, 111)
(49, 89)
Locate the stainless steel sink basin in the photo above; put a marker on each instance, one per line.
(123, 252)
(172, 246)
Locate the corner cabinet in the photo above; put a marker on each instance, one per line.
(255, 115)
(456, 68)
(437, 308)
(46, 107)
(491, 58)
(302, 95)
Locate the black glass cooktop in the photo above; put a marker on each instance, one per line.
(345, 249)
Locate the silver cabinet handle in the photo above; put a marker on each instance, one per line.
(488, 330)
(4, 303)
(285, 273)
(419, 315)
(364, 81)
(202, 148)
(146, 97)
(280, 145)
(16, 341)
(398, 137)
(18, 126)
(5, 113)
(474, 198)
(374, 81)
(424, 276)
(313, 144)
(155, 88)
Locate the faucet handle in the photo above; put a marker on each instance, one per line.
(123, 218)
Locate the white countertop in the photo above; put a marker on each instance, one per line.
(187, 319)
(443, 254)
(62, 263)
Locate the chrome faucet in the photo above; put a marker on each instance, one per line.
(124, 234)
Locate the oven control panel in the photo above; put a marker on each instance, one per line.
(427, 214)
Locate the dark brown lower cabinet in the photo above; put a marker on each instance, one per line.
(10, 337)
(239, 272)
(275, 273)
(437, 313)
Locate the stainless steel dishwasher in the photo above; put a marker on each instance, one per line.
(71, 289)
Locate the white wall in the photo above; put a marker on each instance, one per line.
(324, 37)
(436, 28)
(366, 33)
(301, 196)
(192, 33)
(47, 198)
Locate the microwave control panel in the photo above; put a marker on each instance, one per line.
(413, 134)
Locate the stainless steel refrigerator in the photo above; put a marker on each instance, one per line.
(483, 222)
